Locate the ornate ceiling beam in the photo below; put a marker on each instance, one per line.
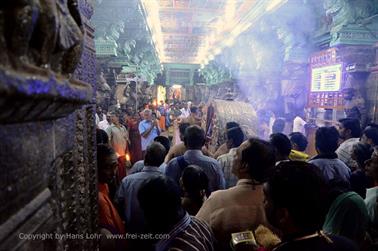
(197, 36)
(191, 10)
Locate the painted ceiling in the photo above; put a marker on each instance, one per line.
(185, 24)
(190, 30)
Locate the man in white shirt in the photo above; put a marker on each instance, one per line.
(185, 111)
(99, 115)
(299, 125)
(119, 141)
(350, 132)
(104, 124)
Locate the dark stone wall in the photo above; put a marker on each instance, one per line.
(24, 167)
(48, 177)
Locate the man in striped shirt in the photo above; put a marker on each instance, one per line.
(160, 200)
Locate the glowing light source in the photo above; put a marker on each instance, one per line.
(230, 9)
(237, 19)
(161, 93)
(274, 4)
(230, 41)
(151, 9)
(217, 51)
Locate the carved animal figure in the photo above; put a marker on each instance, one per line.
(344, 12)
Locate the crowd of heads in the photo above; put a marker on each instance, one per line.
(297, 196)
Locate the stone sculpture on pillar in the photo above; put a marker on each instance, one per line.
(352, 22)
(37, 34)
(70, 36)
(47, 125)
(18, 20)
(354, 31)
(41, 44)
(354, 106)
(294, 71)
(355, 94)
(346, 12)
(103, 90)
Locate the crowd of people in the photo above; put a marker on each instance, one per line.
(178, 195)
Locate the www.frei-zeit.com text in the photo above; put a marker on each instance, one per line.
(91, 236)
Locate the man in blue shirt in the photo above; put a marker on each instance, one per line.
(194, 139)
(127, 193)
(331, 168)
(148, 129)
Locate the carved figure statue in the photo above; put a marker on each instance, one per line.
(296, 46)
(42, 33)
(344, 12)
(133, 96)
(354, 105)
(4, 59)
(70, 36)
(229, 94)
(126, 92)
(18, 25)
(116, 30)
(46, 32)
(103, 85)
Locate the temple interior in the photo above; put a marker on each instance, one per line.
(155, 125)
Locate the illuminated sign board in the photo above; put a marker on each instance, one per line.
(326, 78)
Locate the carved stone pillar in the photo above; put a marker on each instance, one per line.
(294, 77)
(47, 152)
(354, 30)
(356, 60)
(372, 88)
